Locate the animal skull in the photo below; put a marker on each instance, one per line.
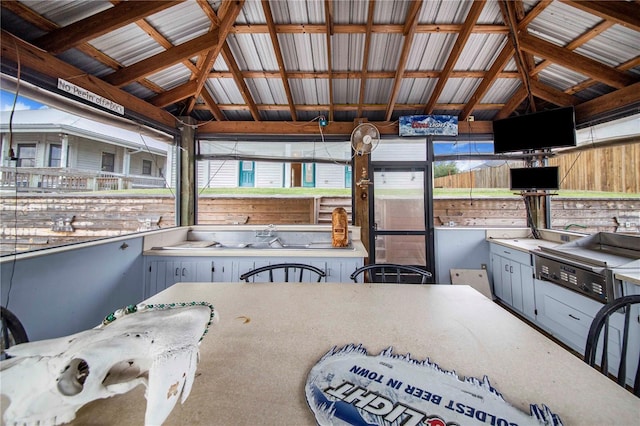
(48, 381)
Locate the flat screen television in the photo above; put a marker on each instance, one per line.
(552, 128)
(534, 178)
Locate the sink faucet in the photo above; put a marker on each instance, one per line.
(268, 232)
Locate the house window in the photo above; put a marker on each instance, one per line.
(146, 167)
(55, 155)
(108, 162)
(27, 155)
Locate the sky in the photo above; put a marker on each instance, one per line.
(22, 103)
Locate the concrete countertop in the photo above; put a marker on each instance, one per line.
(523, 244)
(179, 235)
(358, 250)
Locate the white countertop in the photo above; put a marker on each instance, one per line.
(358, 250)
(629, 272)
(255, 361)
(524, 244)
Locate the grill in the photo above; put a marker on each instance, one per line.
(588, 264)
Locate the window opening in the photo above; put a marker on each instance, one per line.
(146, 167)
(55, 155)
(108, 162)
(27, 155)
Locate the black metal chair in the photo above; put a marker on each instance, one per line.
(602, 322)
(391, 272)
(291, 272)
(13, 332)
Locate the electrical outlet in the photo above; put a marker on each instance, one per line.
(471, 118)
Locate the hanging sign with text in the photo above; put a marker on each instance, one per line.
(350, 387)
(89, 96)
(424, 125)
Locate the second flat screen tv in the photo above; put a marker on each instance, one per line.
(534, 178)
(553, 128)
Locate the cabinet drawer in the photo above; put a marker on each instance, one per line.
(565, 314)
(519, 256)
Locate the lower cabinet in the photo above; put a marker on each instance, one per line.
(164, 271)
(564, 314)
(512, 275)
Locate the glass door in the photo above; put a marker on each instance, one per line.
(401, 215)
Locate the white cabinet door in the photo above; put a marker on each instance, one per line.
(163, 273)
(496, 275)
(506, 270)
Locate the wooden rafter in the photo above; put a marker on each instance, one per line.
(522, 59)
(46, 25)
(365, 57)
(359, 74)
(621, 12)
(278, 53)
(328, 19)
(498, 64)
(362, 29)
(408, 32)
(242, 86)
(461, 40)
(229, 11)
(101, 23)
(576, 62)
(48, 65)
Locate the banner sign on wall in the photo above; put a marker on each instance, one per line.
(349, 387)
(422, 125)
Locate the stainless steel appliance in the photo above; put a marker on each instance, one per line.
(587, 265)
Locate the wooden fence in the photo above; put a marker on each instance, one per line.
(610, 168)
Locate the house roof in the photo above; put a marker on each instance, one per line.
(276, 66)
(49, 120)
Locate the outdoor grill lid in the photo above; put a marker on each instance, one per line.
(604, 249)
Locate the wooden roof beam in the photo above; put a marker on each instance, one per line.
(54, 68)
(212, 105)
(485, 84)
(46, 25)
(278, 53)
(521, 58)
(101, 23)
(604, 104)
(229, 11)
(333, 128)
(328, 20)
(362, 28)
(621, 12)
(365, 57)
(576, 62)
(242, 85)
(409, 30)
(162, 60)
(549, 94)
(454, 55)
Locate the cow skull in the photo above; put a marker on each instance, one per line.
(48, 381)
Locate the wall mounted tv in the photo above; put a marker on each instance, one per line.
(552, 128)
(534, 178)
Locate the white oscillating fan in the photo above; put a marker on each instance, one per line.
(365, 138)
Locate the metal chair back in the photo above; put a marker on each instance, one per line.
(13, 332)
(392, 273)
(293, 272)
(615, 321)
